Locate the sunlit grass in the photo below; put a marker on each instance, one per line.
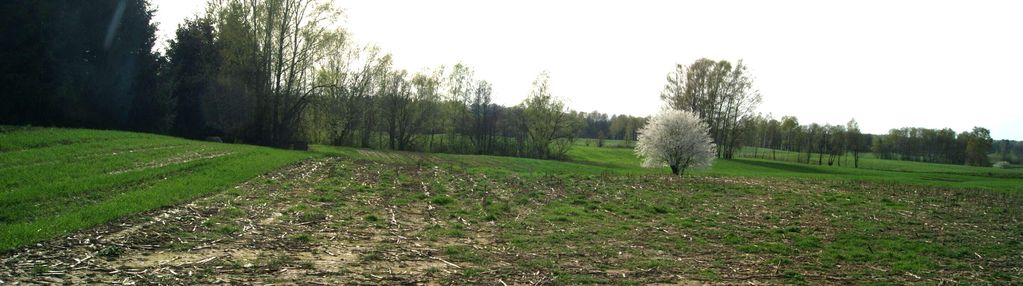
(59, 180)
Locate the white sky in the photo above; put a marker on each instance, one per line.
(887, 63)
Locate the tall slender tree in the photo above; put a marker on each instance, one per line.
(271, 49)
(719, 93)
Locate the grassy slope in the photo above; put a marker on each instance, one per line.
(53, 181)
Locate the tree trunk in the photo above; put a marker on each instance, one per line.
(674, 170)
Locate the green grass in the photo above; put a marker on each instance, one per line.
(53, 181)
(876, 170)
(588, 160)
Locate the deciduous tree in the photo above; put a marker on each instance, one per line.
(678, 139)
(719, 93)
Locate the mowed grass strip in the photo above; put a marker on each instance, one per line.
(55, 181)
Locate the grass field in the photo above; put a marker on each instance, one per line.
(366, 216)
(594, 161)
(53, 181)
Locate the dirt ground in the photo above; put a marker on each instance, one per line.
(244, 237)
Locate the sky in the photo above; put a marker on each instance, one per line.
(888, 64)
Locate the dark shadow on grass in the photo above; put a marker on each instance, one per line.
(783, 167)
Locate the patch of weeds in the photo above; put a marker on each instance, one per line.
(708, 274)
(766, 247)
(685, 223)
(372, 255)
(471, 272)
(232, 212)
(234, 192)
(420, 196)
(363, 188)
(298, 208)
(681, 244)
(779, 260)
(276, 262)
(793, 277)
(306, 264)
(462, 253)
(371, 218)
(442, 200)
(327, 198)
(437, 187)
(565, 213)
(228, 229)
(733, 239)
(302, 238)
(311, 216)
(489, 217)
(456, 230)
(39, 269)
(521, 201)
(900, 253)
(496, 209)
(806, 241)
(110, 252)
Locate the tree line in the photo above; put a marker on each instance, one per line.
(271, 72)
(935, 145)
(723, 96)
(81, 64)
(812, 143)
(602, 127)
(835, 144)
(284, 73)
(1008, 151)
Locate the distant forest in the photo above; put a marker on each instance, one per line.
(282, 73)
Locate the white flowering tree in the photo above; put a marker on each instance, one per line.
(678, 139)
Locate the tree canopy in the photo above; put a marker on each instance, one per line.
(719, 93)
